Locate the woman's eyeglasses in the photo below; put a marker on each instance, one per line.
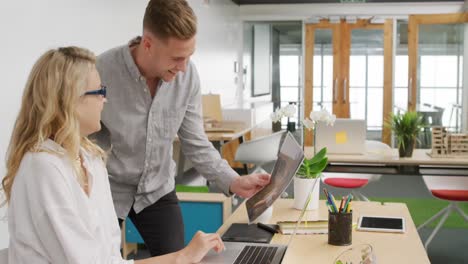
(102, 91)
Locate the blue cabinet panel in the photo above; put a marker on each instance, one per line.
(204, 216)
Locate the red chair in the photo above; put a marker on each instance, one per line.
(349, 181)
(449, 188)
(357, 181)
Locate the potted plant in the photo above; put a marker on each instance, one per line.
(308, 177)
(318, 116)
(288, 111)
(406, 128)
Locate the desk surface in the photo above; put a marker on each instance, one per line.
(388, 247)
(238, 130)
(390, 157)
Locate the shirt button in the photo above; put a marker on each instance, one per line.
(150, 140)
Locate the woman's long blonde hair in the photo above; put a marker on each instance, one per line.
(48, 109)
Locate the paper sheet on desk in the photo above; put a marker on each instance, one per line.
(311, 216)
(305, 228)
(341, 137)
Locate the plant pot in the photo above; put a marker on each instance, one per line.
(276, 126)
(302, 189)
(291, 126)
(407, 151)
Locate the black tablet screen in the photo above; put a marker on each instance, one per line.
(380, 222)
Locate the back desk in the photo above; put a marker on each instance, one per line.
(388, 247)
(388, 162)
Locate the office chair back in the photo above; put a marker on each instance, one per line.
(211, 107)
(260, 150)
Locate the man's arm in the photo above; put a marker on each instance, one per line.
(196, 146)
(206, 158)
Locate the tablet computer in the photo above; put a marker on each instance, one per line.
(382, 224)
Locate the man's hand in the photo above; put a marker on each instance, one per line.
(248, 185)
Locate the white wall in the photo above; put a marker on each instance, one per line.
(219, 46)
(28, 28)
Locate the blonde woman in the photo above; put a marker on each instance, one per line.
(59, 201)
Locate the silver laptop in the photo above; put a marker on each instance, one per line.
(346, 136)
(290, 157)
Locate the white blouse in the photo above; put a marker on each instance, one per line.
(52, 220)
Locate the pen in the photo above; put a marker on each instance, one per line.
(341, 204)
(348, 210)
(267, 228)
(329, 207)
(345, 207)
(333, 202)
(330, 201)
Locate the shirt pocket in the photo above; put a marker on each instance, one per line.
(171, 121)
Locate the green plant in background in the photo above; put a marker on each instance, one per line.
(406, 128)
(311, 168)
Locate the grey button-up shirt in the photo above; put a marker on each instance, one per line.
(139, 132)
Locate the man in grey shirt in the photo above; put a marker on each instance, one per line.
(154, 94)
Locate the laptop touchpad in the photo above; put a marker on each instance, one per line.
(227, 256)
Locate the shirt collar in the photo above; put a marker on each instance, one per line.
(53, 146)
(128, 59)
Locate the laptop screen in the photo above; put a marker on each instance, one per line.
(290, 157)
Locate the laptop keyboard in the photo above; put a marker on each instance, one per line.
(256, 255)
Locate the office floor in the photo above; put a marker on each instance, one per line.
(449, 245)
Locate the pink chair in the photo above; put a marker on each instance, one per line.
(449, 188)
(357, 181)
(348, 181)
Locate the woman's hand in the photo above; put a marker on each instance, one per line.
(200, 245)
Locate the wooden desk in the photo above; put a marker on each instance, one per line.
(388, 247)
(219, 139)
(388, 162)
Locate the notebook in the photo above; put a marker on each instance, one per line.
(246, 233)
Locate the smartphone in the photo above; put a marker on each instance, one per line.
(382, 224)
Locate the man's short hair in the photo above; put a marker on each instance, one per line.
(170, 18)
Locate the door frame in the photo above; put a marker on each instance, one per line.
(309, 67)
(414, 22)
(341, 41)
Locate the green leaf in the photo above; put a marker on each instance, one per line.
(311, 168)
(319, 167)
(319, 156)
(405, 126)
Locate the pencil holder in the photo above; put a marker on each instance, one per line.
(340, 227)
